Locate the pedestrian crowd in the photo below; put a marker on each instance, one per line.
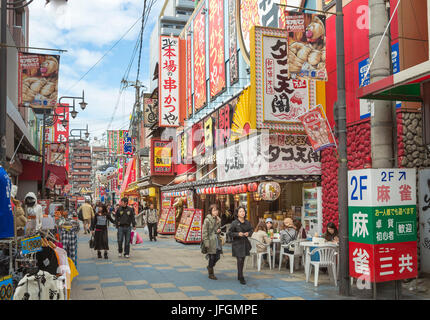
(96, 221)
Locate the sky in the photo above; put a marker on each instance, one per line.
(87, 30)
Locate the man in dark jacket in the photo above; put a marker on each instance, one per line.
(124, 219)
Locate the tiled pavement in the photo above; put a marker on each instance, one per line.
(168, 270)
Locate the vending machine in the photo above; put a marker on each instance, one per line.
(312, 210)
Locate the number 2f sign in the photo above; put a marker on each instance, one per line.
(381, 187)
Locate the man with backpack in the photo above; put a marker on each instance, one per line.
(124, 219)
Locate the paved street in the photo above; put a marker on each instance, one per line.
(169, 270)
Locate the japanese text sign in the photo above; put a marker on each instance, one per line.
(169, 86)
(216, 47)
(267, 154)
(161, 161)
(382, 223)
(381, 187)
(383, 262)
(199, 45)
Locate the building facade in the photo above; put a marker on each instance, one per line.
(80, 167)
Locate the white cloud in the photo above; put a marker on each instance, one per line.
(87, 29)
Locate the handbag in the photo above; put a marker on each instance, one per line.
(80, 216)
(91, 242)
(203, 248)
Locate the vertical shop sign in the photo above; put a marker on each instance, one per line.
(382, 224)
(161, 162)
(128, 146)
(233, 59)
(38, 80)
(306, 45)
(189, 79)
(318, 128)
(279, 99)
(217, 81)
(283, 99)
(224, 125)
(169, 86)
(150, 111)
(199, 45)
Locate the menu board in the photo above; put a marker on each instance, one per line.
(166, 223)
(190, 226)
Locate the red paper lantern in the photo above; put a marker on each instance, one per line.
(244, 188)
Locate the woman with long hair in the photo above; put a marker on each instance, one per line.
(239, 231)
(211, 238)
(331, 234)
(99, 228)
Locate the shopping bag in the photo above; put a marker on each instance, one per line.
(132, 237)
(91, 242)
(138, 238)
(145, 230)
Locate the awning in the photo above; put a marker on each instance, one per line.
(32, 170)
(402, 86)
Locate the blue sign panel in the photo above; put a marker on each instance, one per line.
(31, 245)
(6, 288)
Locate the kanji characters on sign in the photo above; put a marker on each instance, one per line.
(169, 87)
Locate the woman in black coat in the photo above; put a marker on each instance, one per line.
(239, 231)
(99, 229)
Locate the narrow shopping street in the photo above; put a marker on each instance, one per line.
(168, 270)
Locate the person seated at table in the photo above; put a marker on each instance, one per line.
(260, 234)
(331, 233)
(269, 225)
(288, 234)
(301, 232)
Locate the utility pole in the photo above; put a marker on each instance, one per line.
(136, 118)
(381, 120)
(344, 282)
(383, 117)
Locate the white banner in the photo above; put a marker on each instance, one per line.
(169, 82)
(267, 155)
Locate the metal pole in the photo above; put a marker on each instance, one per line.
(3, 83)
(43, 156)
(344, 282)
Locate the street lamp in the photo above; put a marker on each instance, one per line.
(86, 133)
(83, 104)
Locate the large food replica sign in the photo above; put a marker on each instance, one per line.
(382, 224)
(190, 227)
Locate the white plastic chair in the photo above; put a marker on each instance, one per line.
(297, 252)
(255, 254)
(327, 259)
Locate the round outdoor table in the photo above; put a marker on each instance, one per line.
(307, 244)
(275, 241)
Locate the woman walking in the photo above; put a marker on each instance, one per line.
(211, 238)
(239, 231)
(99, 229)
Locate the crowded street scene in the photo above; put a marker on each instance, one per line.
(241, 152)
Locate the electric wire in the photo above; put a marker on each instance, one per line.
(106, 53)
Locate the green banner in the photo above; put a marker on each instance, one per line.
(379, 225)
